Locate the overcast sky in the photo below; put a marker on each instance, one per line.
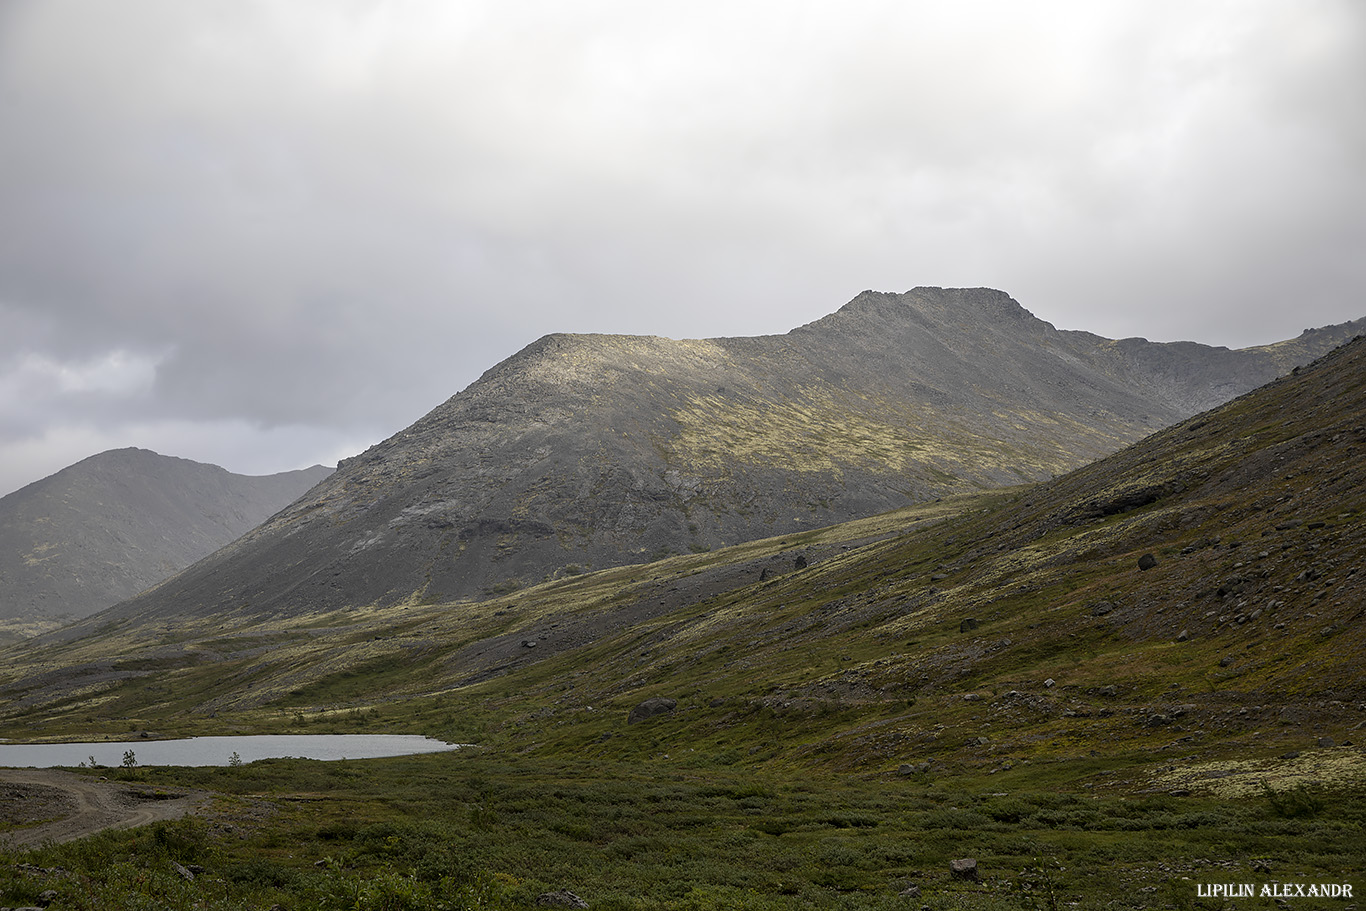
(268, 234)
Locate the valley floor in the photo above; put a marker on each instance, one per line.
(499, 831)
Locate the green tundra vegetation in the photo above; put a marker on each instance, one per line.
(1107, 689)
(478, 830)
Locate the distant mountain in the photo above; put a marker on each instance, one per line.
(109, 526)
(586, 451)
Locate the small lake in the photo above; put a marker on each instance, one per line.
(207, 751)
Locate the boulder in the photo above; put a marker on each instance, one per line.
(963, 868)
(560, 898)
(968, 624)
(1147, 561)
(655, 705)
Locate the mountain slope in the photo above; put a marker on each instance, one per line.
(109, 526)
(591, 451)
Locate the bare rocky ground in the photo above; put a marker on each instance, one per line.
(47, 805)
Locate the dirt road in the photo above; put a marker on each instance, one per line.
(74, 806)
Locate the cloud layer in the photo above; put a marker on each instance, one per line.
(266, 234)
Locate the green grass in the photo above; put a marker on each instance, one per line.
(454, 830)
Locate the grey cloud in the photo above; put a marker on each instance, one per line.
(319, 220)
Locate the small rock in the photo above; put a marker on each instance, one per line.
(968, 624)
(1183, 636)
(1327, 742)
(963, 868)
(561, 898)
(1049, 683)
(1101, 608)
(910, 892)
(1226, 661)
(1261, 866)
(184, 873)
(1147, 561)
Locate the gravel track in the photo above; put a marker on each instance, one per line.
(83, 806)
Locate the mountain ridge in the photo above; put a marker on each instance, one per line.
(584, 451)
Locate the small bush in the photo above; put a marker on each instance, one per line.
(1293, 803)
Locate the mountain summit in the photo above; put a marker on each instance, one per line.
(584, 451)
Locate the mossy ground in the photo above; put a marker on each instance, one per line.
(472, 829)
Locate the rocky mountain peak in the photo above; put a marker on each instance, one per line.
(586, 451)
(978, 309)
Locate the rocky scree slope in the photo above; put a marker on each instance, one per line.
(585, 451)
(114, 524)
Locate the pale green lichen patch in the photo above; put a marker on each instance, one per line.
(815, 433)
(1337, 767)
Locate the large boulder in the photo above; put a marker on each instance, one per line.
(655, 705)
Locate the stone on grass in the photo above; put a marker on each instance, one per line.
(1147, 561)
(655, 705)
(560, 898)
(963, 868)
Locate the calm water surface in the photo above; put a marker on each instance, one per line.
(204, 751)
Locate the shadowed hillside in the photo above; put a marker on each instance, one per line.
(109, 526)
